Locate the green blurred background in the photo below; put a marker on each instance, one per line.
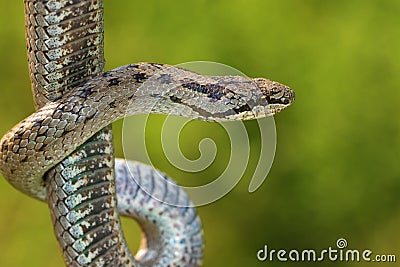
(336, 170)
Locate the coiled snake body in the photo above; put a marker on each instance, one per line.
(39, 152)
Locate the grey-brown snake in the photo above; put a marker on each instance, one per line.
(63, 153)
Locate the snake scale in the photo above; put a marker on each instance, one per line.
(63, 152)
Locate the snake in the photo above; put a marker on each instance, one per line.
(63, 153)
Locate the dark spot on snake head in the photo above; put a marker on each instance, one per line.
(113, 104)
(242, 108)
(107, 74)
(175, 99)
(139, 77)
(113, 81)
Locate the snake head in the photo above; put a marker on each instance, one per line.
(276, 95)
(260, 97)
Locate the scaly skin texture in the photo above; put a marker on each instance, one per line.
(43, 139)
(54, 131)
(64, 50)
(169, 232)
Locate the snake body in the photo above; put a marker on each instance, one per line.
(65, 49)
(46, 157)
(43, 139)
